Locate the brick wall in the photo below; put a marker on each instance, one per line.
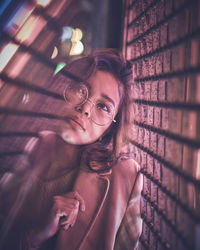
(161, 38)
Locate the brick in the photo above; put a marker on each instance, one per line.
(137, 49)
(189, 122)
(143, 159)
(141, 136)
(174, 183)
(164, 35)
(145, 68)
(144, 113)
(159, 64)
(198, 20)
(165, 176)
(157, 117)
(187, 58)
(141, 90)
(154, 192)
(176, 90)
(142, 46)
(152, 241)
(134, 133)
(146, 23)
(173, 152)
(153, 142)
(183, 23)
(135, 90)
(194, 60)
(197, 96)
(174, 121)
(157, 170)
(194, 18)
(138, 7)
(168, 7)
(139, 69)
(149, 214)
(167, 61)
(157, 222)
(150, 164)
(178, 58)
(146, 138)
(135, 69)
(160, 11)
(130, 35)
(161, 200)
(173, 29)
(145, 232)
(149, 43)
(150, 115)
(147, 90)
(171, 210)
(154, 90)
(165, 119)
(152, 63)
(156, 39)
(141, 25)
(162, 91)
(143, 202)
(178, 3)
(152, 17)
(191, 196)
(146, 188)
(161, 146)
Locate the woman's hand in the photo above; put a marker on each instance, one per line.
(66, 208)
(63, 215)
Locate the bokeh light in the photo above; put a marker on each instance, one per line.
(43, 3)
(59, 67)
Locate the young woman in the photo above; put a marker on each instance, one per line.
(75, 191)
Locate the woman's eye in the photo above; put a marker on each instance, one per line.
(103, 106)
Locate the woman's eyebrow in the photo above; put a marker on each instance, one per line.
(108, 98)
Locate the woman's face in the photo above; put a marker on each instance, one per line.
(103, 94)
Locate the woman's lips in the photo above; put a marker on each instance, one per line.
(76, 123)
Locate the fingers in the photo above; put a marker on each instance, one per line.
(66, 209)
(80, 199)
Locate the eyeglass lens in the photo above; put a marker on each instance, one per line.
(101, 111)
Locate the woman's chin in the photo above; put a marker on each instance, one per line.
(75, 138)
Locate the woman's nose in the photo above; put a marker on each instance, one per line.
(84, 108)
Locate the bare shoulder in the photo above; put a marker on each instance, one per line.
(127, 168)
(128, 163)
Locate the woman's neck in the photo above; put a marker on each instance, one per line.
(65, 157)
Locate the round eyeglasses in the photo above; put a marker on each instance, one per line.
(102, 111)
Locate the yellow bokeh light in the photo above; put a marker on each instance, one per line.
(77, 35)
(55, 53)
(42, 3)
(76, 49)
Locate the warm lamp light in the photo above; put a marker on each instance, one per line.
(76, 49)
(77, 35)
(43, 3)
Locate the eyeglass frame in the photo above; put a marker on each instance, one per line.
(87, 99)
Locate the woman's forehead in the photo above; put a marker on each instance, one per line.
(104, 83)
